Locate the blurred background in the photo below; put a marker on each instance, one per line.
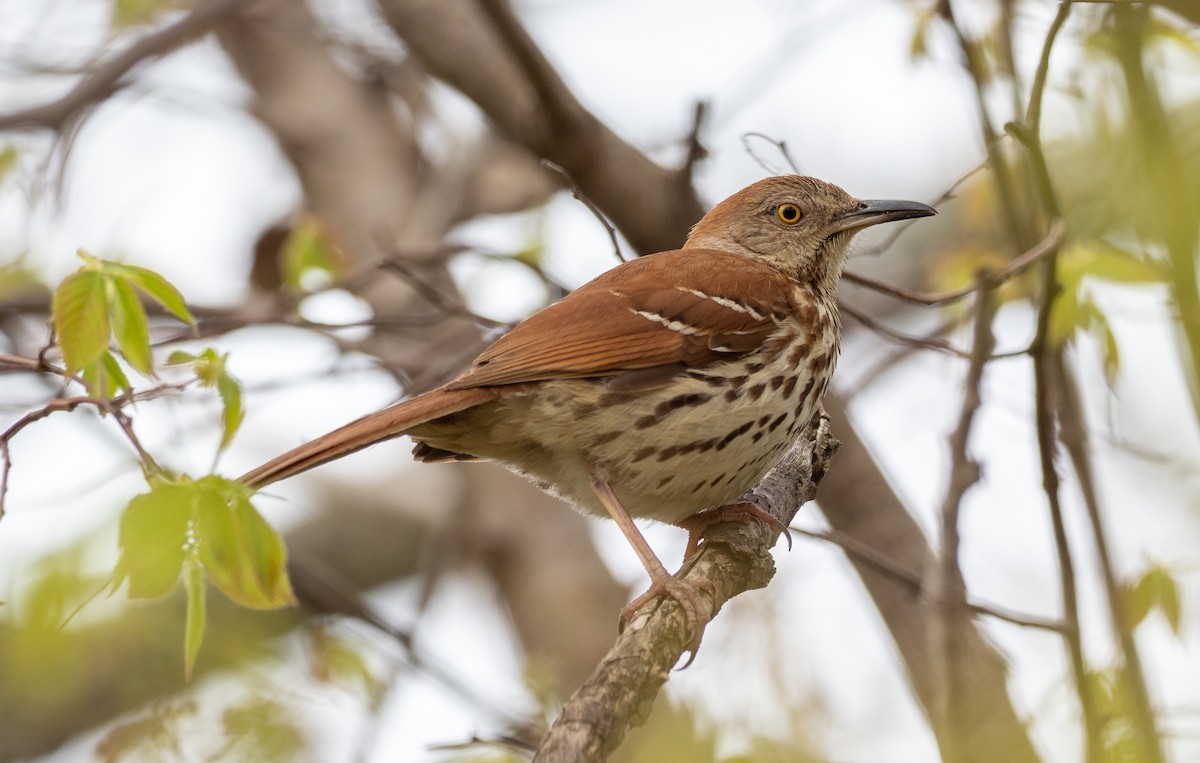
(348, 194)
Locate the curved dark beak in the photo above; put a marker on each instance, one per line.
(875, 211)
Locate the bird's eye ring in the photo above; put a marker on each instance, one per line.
(788, 213)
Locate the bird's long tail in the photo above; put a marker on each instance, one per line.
(368, 430)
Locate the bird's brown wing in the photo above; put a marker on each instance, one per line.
(672, 310)
(642, 323)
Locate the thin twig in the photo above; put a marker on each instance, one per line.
(435, 295)
(106, 405)
(975, 62)
(695, 148)
(1016, 618)
(861, 551)
(104, 78)
(916, 342)
(1043, 248)
(895, 231)
(595, 210)
(881, 562)
(780, 145)
(947, 590)
(1045, 365)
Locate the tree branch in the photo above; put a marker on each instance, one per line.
(733, 558)
(1043, 248)
(946, 589)
(105, 78)
(502, 71)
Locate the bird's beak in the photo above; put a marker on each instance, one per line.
(875, 211)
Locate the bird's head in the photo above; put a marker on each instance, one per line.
(799, 225)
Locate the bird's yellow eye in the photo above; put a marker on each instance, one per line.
(789, 213)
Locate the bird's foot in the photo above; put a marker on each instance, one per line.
(689, 597)
(744, 512)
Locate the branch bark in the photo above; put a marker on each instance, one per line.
(733, 559)
(644, 201)
(528, 103)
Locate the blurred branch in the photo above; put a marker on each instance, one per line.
(859, 502)
(502, 71)
(695, 147)
(933, 342)
(946, 589)
(321, 589)
(1073, 434)
(884, 564)
(975, 62)
(734, 558)
(104, 78)
(1176, 193)
(1042, 351)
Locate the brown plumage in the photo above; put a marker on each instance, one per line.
(664, 387)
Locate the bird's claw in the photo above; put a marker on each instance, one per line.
(744, 512)
(689, 597)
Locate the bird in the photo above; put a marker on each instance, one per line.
(664, 388)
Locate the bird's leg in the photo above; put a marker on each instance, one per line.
(744, 512)
(661, 581)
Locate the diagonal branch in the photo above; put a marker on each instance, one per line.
(946, 589)
(733, 559)
(1038, 251)
(106, 77)
(500, 68)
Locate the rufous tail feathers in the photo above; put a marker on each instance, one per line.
(368, 430)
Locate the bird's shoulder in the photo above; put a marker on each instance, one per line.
(683, 309)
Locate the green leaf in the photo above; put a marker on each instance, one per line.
(130, 325)
(116, 375)
(232, 415)
(1065, 316)
(261, 729)
(306, 251)
(196, 588)
(80, 315)
(105, 378)
(335, 659)
(155, 286)
(1161, 28)
(180, 358)
(917, 48)
(1156, 589)
(152, 537)
(17, 277)
(1090, 317)
(127, 13)
(531, 256)
(1099, 259)
(8, 160)
(244, 557)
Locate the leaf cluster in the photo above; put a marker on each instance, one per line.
(100, 302)
(203, 531)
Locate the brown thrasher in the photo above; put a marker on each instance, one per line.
(663, 389)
